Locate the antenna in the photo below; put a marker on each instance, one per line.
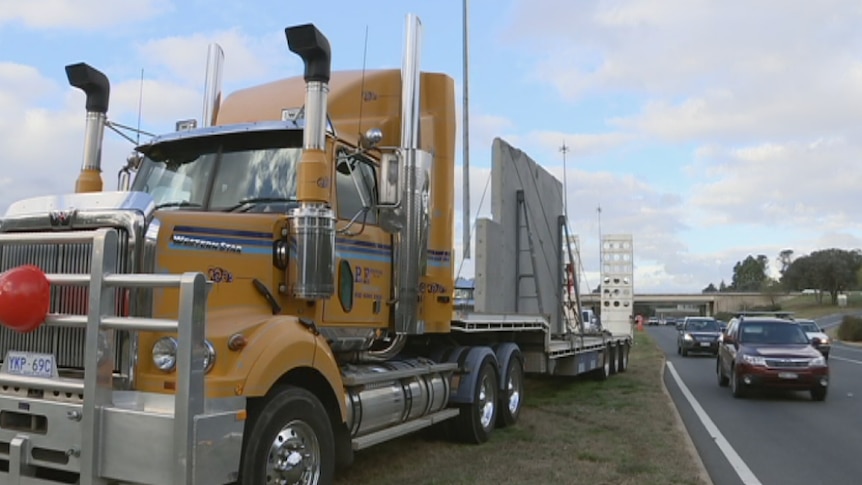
(465, 131)
(362, 83)
(601, 246)
(564, 149)
(140, 105)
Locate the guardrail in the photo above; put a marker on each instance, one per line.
(96, 385)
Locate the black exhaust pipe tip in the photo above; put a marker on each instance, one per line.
(313, 47)
(94, 84)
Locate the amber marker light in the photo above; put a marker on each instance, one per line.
(237, 342)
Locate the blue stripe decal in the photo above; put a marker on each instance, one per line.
(361, 256)
(242, 242)
(224, 232)
(245, 250)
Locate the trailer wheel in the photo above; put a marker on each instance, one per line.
(623, 363)
(476, 421)
(512, 397)
(603, 372)
(612, 355)
(290, 441)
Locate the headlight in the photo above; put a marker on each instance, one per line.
(165, 353)
(817, 362)
(824, 341)
(209, 355)
(687, 337)
(754, 360)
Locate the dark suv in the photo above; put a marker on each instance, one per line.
(698, 334)
(761, 352)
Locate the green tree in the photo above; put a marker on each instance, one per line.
(749, 274)
(831, 270)
(710, 289)
(722, 287)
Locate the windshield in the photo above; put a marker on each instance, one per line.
(772, 333)
(809, 326)
(702, 326)
(226, 172)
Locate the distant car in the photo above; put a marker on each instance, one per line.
(652, 321)
(698, 334)
(770, 352)
(813, 331)
(722, 325)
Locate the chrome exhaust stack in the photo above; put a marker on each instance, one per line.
(212, 85)
(410, 248)
(312, 224)
(98, 90)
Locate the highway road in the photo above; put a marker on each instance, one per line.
(780, 438)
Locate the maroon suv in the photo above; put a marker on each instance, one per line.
(761, 352)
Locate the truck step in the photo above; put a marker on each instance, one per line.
(402, 429)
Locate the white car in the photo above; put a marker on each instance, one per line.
(812, 330)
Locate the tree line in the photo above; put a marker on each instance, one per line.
(830, 271)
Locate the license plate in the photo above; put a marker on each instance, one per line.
(787, 375)
(704, 344)
(29, 364)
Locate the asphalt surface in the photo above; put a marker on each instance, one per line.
(780, 438)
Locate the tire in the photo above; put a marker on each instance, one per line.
(722, 379)
(612, 354)
(512, 396)
(818, 394)
(292, 422)
(735, 386)
(603, 372)
(475, 422)
(623, 363)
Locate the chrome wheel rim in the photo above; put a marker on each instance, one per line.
(294, 456)
(486, 401)
(514, 390)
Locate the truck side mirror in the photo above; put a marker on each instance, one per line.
(389, 188)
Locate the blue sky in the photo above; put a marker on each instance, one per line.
(708, 130)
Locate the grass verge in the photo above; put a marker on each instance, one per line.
(572, 430)
(806, 306)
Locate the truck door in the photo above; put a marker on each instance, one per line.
(363, 250)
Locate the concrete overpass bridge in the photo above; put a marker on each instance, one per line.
(677, 304)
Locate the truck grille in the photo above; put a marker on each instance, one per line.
(67, 344)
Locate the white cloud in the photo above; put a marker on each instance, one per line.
(793, 184)
(79, 14)
(247, 58)
(579, 144)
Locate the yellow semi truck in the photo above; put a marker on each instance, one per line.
(274, 289)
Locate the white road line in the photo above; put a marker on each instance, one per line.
(745, 474)
(843, 347)
(845, 360)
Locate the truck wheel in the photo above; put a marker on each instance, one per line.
(512, 397)
(612, 355)
(603, 372)
(290, 441)
(476, 421)
(623, 358)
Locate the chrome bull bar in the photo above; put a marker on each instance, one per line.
(199, 439)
